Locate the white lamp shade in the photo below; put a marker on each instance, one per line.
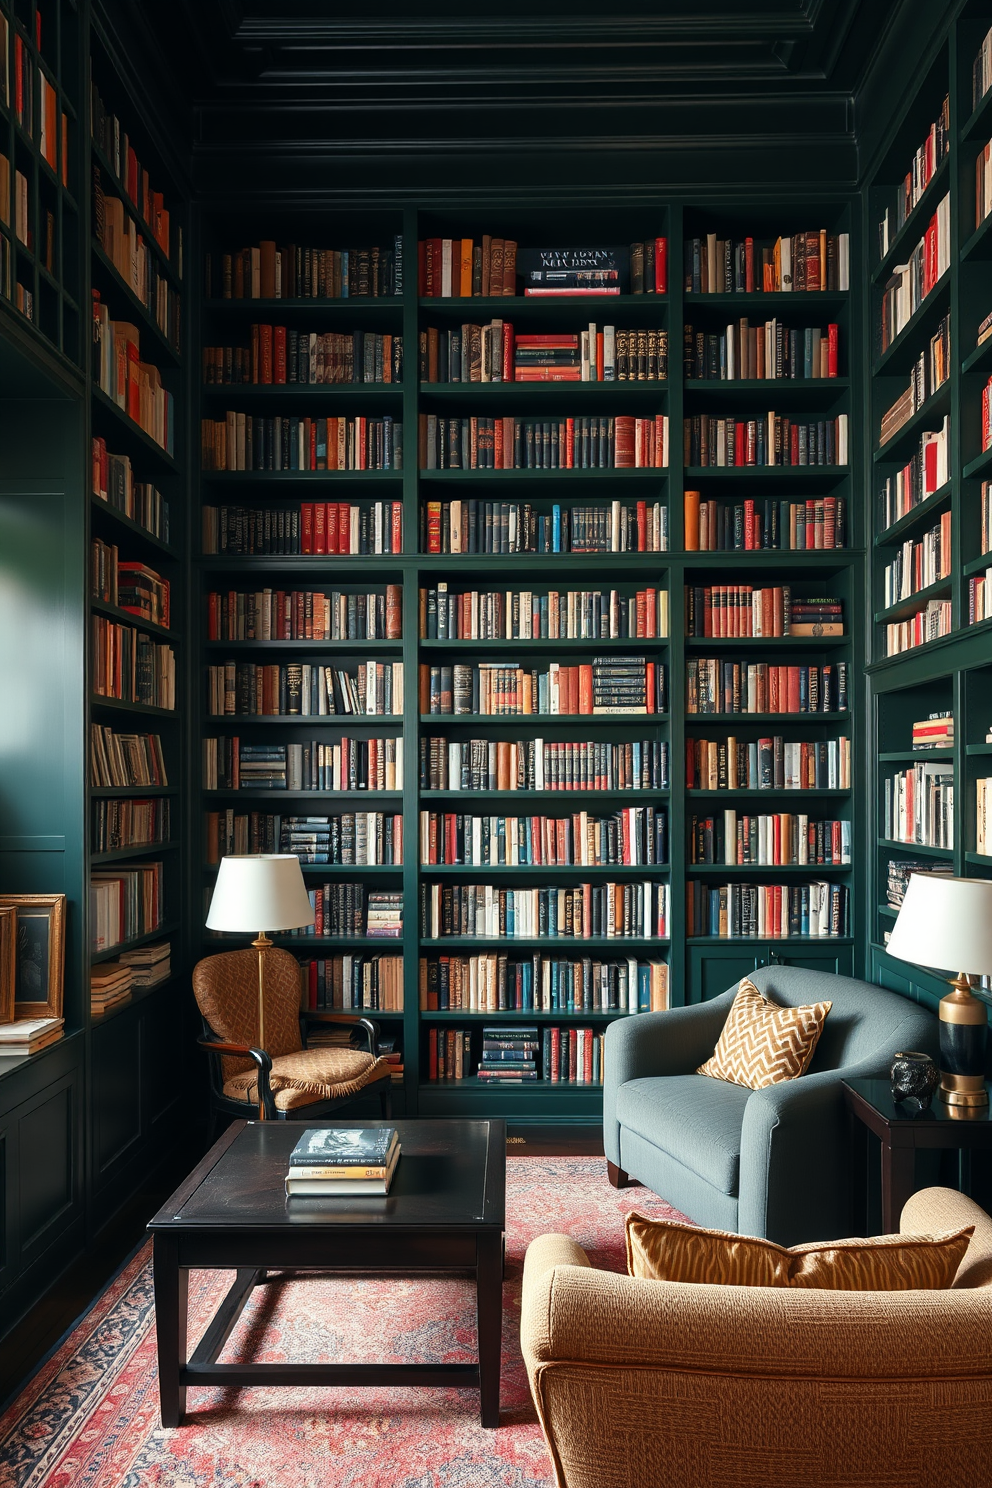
(259, 891)
(945, 923)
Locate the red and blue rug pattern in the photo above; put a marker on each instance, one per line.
(89, 1417)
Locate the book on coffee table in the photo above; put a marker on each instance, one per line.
(335, 1162)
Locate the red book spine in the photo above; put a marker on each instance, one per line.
(265, 353)
(320, 527)
(642, 526)
(661, 265)
(306, 527)
(279, 354)
(833, 338)
(507, 352)
(396, 546)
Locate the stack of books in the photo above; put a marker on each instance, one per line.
(149, 965)
(936, 731)
(899, 871)
(110, 983)
(816, 615)
(509, 1055)
(385, 915)
(342, 1162)
(28, 1035)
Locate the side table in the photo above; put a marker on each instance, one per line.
(903, 1131)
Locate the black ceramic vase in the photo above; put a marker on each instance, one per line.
(914, 1077)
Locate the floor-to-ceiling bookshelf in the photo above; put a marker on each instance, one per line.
(948, 672)
(698, 966)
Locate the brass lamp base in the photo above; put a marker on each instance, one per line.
(963, 1025)
(261, 943)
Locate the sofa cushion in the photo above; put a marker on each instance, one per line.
(763, 1044)
(696, 1121)
(664, 1250)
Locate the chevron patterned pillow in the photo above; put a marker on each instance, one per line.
(762, 1044)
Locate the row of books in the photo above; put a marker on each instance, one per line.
(112, 138)
(127, 664)
(983, 183)
(768, 763)
(129, 823)
(628, 685)
(917, 564)
(124, 903)
(981, 71)
(899, 872)
(508, 527)
(782, 837)
(282, 355)
(801, 262)
(980, 597)
(622, 911)
(463, 268)
(926, 625)
(491, 982)
(931, 370)
(509, 1056)
(983, 816)
(584, 442)
(717, 686)
(312, 527)
(709, 440)
(761, 353)
(713, 526)
(362, 838)
(345, 764)
(305, 690)
(117, 234)
(986, 416)
(909, 283)
(131, 586)
(746, 911)
(497, 353)
(918, 805)
(113, 481)
(305, 615)
(120, 759)
(542, 764)
(924, 474)
(986, 516)
(346, 982)
(923, 167)
(524, 615)
(244, 441)
(731, 611)
(634, 836)
(133, 385)
(298, 271)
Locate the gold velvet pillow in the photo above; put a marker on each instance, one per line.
(663, 1250)
(762, 1044)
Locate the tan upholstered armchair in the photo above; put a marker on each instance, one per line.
(288, 1080)
(643, 1383)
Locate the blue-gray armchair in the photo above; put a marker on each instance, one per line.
(772, 1162)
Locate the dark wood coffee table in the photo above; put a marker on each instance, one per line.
(444, 1212)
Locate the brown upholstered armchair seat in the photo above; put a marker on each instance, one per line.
(310, 1075)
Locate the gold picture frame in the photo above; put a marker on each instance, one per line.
(8, 954)
(39, 963)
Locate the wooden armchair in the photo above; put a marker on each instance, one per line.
(285, 1081)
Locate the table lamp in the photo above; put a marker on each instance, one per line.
(947, 922)
(254, 893)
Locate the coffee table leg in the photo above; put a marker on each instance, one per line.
(171, 1317)
(898, 1183)
(489, 1286)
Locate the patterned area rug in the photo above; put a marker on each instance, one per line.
(90, 1415)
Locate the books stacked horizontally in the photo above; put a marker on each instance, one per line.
(509, 1055)
(936, 731)
(816, 615)
(899, 870)
(149, 964)
(343, 1162)
(28, 1035)
(110, 983)
(385, 915)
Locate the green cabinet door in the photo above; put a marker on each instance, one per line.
(715, 969)
(838, 959)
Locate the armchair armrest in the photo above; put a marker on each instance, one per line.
(368, 1027)
(577, 1314)
(934, 1209)
(262, 1061)
(675, 1042)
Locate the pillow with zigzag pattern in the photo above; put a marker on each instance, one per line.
(763, 1044)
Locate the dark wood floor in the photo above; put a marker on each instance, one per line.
(33, 1338)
